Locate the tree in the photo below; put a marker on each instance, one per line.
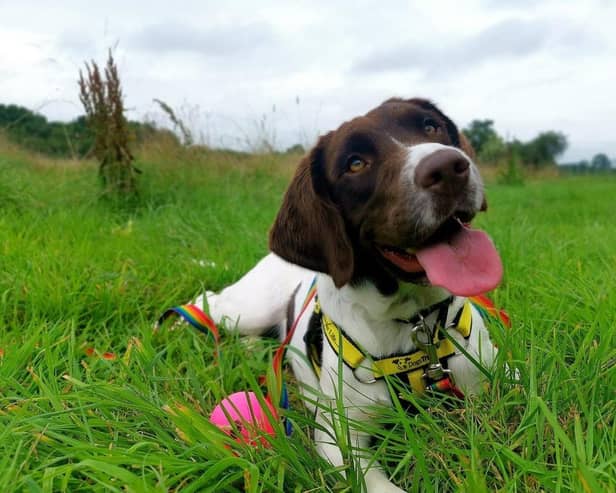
(295, 149)
(600, 162)
(479, 133)
(493, 151)
(543, 149)
(32, 131)
(103, 102)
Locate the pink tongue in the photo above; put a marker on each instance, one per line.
(466, 265)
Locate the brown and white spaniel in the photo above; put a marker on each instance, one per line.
(378, 211)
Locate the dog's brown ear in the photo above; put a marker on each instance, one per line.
(466, 146)
(468, 149)
(309, 230)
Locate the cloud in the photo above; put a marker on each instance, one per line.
(503, 4)
(76, 43)
(215, 41)
(509, 39)
(492, 58)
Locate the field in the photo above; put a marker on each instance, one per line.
(92, 399)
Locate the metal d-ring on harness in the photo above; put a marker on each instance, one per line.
(423, 338)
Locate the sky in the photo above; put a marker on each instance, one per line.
(241, 71)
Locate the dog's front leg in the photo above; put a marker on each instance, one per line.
(260, 299)
(327, 439)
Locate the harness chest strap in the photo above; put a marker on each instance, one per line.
(410, 365)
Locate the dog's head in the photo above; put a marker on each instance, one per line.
(384, 198)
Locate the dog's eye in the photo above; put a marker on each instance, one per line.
(356, 164)
(430, 126)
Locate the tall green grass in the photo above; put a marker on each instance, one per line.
(78, 273)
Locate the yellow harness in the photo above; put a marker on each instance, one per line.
(410, 367)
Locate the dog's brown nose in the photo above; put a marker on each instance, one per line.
(442, 171)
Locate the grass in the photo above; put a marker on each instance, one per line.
(81, 278)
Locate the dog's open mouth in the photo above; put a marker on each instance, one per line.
(456, 257)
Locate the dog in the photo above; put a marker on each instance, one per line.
(376, 216)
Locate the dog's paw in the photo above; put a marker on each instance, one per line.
(201, 300)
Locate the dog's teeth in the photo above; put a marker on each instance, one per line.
(410, 251)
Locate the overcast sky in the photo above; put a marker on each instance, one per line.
(291, 70)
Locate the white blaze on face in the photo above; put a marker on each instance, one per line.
(416, 153)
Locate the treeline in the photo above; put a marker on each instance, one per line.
(600, 163)
(74, 139)
(539, 152)
(493, 149)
